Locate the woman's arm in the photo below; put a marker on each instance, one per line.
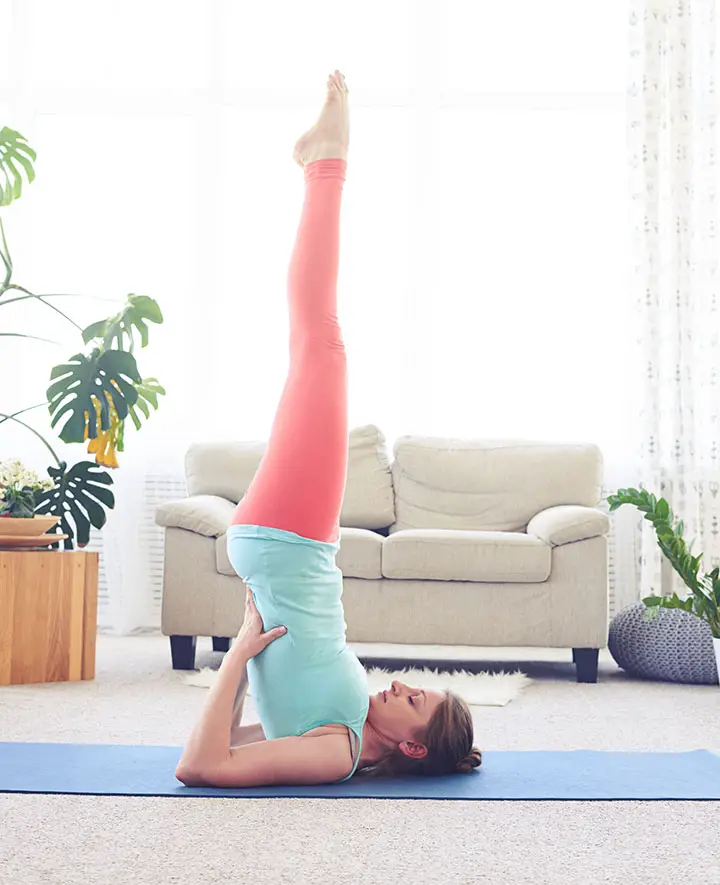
(240, 735)
(308, 759)
(209, 741)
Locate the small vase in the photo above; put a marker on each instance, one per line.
(716, 644)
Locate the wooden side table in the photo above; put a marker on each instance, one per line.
(48, 615)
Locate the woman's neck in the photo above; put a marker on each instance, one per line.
(374, 745)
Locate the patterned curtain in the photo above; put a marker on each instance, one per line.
(673, 186)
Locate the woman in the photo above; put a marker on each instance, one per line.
(318, 723)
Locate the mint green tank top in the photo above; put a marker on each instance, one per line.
(308, 677)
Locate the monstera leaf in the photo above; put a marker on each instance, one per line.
(14, 149)
(107, 379)
(79, 498)
(148, 391)
(134, 314)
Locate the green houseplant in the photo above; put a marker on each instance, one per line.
(703, 600)
(92, 394)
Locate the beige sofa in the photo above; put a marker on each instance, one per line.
(454, 542)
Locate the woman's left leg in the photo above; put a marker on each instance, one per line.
(300, 483)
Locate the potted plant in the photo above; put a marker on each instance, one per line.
(92, 393)
(19, 491)
(703, 600)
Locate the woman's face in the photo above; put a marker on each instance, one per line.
(401, 713)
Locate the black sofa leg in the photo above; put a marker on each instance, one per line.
(221, 643)
(182, 651)
(586, 662)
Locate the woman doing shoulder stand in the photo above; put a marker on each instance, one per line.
(318, 722)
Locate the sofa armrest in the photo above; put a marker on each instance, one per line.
(567, 523)
(207, 515)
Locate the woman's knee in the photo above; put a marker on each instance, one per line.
(326, 342)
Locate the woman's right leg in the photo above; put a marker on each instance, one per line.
(300, 483)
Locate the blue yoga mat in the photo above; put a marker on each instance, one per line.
(121, 770)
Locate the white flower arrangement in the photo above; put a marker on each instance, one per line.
(14, 475)
(17, 485)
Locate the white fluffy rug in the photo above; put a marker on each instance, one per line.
(478, 689)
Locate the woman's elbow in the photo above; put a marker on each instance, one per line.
(190, 778)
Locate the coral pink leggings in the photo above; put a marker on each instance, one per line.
(300, 482)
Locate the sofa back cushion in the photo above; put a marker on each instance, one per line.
(489, 484)
(226, 469)
(369, 501)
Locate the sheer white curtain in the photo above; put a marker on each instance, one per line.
(674, 186)
(484, 268)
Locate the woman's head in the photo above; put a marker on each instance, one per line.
(422, 731)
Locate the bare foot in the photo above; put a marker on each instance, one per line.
(328, 138)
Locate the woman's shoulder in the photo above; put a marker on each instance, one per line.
(344, 734)
(332, 728)
(345, 743)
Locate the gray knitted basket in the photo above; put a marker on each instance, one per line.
(677, 647)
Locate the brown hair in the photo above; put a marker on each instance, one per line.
(449, 740)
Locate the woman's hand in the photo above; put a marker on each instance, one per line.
(251, 638)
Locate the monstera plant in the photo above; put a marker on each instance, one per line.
(92, 394)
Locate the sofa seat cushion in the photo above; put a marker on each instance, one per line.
(222, 561)
(456, 555)
(360, 553)
(359, 556)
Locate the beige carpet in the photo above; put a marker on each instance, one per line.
(137, 698)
